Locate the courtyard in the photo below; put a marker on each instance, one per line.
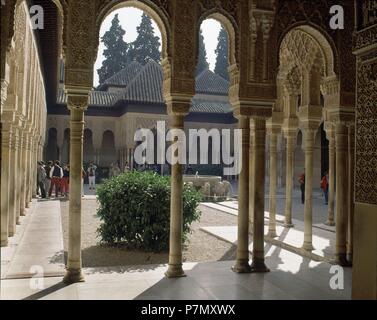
(115, 272)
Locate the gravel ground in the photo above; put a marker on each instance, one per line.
(201, 246)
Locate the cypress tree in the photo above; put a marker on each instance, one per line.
(202, 57)
(221, 51)
(115, 53)
(147, 45)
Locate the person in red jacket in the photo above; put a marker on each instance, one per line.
(325, 187)
(301, 180)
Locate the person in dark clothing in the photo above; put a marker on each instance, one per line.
(301, 180)
(48, 167)
(189, 170)
(41, 177)
(65, 181)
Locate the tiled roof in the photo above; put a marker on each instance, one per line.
(147, 85)
(207, 106)
(144, 85)
(212, 83)
(96, 98)
(125, 76)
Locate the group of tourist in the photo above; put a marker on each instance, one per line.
(51, 176)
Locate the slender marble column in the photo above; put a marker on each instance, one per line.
(309, 136)
(242, 259)
(341, 193)
(289, 178)
(23, 144)
(259, 143)
(18, 177)
(176, 208)
(251, 177)
(330, 221)
(6, 135)
(351, 181)
(11, 182)
(27, 170)
(273, 184)
(77, 105)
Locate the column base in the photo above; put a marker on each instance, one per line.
(259, 266)
(341, 260)
(330, 223)
(241, 266)
(272, 234)
(4, 243)
(175, 271)
(307, 246)
(73, 276)
(18, 221)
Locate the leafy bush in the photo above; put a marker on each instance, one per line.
(135, 210)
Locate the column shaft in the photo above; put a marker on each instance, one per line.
(341, 193)
(176, 211)
(308, 210)
(23, 144)
(12, 183)
(330, 221)
(289, 180)
(242, 260)
(273, 185)
(5, 165)
(251, 180)
(259, 143)
(74, 262)
(351, 176)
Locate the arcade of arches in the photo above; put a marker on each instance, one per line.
(290, 76)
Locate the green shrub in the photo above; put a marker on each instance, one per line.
(135, 210)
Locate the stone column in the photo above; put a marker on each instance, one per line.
(12, 182)
(351, 181)
(259, 143)
(6, 135)
(272, 132)
(330, 221)
(242, 260)
(18, 177)
(34, 166)
(176, 203)
(251, 177)
(341, 140)
(77, 104)
(290, 151)
(309, 136)
(23, 144)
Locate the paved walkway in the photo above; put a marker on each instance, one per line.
(41, 247)
(288, 238)
(291, 277)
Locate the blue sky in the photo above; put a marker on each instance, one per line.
(130, 18)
